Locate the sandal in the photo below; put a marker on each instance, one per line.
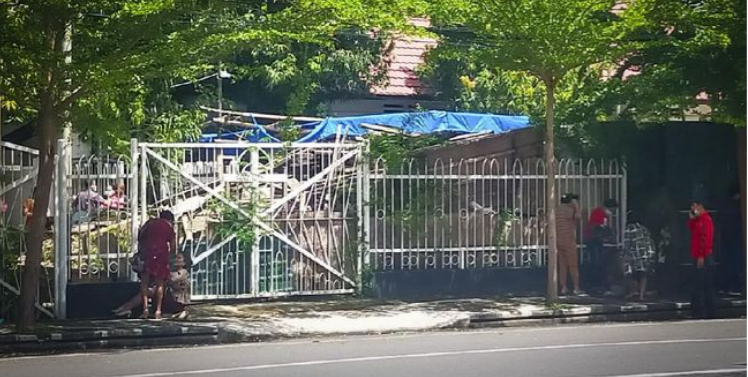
(123, 313)
(157, 316)
(181, 316)
(144, 315)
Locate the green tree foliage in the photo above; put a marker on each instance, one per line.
(473, 85)
(691, 47)
(681, 49)
(545, 39)
(126, 52)
(295, 79)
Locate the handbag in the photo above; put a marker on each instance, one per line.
(137, 262)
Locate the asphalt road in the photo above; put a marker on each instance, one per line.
(690, 348)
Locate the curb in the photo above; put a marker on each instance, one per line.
(603, 313)
(86, 339)
(83, 340)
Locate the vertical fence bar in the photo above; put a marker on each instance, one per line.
(61, 230)
(367, 203)
(134, 195)
(254, 166)
(143, 190)
(361, 167)
(622, 178)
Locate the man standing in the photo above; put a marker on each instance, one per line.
(702, 236)
(568, 215)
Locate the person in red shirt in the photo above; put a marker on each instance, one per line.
(702, 237)
(599, 232)
(156, 239)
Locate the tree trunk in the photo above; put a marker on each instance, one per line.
(35, 238)
(48, 119)
(550, 191)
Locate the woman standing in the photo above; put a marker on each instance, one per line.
(157, 238)
(638, 256)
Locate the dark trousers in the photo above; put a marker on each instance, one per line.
(598, 269)
(702, 291)
(607, 269)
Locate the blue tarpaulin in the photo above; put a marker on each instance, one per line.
(412, 123)
(418, 123)
(257, 135)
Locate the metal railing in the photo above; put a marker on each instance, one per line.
(18, 171)
(268, 220)
(485, 213)
(94, 206)
(18, 175)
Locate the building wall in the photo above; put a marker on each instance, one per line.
(518, 144)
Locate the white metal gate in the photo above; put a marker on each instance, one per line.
(93, 225)
(259, 219)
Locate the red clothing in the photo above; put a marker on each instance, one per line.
(702, 235)
(598, 217)
(156, 237)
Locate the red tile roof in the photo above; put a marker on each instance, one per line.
(402, 62)
(407, 54)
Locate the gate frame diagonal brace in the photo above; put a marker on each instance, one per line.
(257, 221)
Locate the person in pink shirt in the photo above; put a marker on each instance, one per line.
(117, 200)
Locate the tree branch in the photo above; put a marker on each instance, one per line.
(72, 97)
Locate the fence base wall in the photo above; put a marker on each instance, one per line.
(88, 300)
(467, 283)
(423, 284)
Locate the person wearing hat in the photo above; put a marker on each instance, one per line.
(569, 213)
(702, 238)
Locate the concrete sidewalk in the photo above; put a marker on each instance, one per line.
(253, 322)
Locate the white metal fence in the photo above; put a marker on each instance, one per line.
(486, 213)
(18, 170)
(18, 173)
(260, 220)
(98, 218)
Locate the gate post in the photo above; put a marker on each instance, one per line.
(363, 203)
(143, 184)
(134, 194)
(254, 168)
(62, 230)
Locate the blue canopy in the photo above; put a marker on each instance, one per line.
(255, 135)
(416, 123)
(413, 123)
